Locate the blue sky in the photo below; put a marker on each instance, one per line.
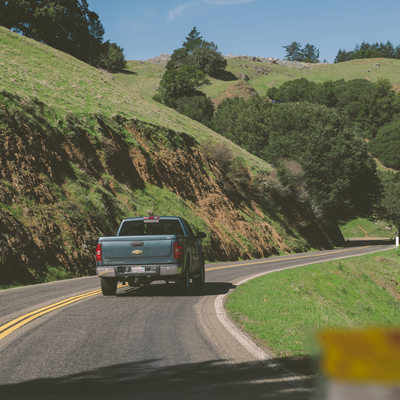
(148, 28)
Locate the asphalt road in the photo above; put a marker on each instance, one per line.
(143, 343)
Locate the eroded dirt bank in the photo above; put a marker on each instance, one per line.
(66, 181)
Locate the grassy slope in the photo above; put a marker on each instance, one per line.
(364, 227)
(69, 85)
(276, 75)
(56, 106)
(282, 310)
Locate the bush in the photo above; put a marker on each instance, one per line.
(337, 175)
(366, 104)
(219, 153)
(111, 57)
(390, 204)
(198, 107)
(244, 122)
(340, 176)
(386, 145)
(292, 175)
(177, 83)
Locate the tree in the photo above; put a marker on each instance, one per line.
(368, 105)
(111, 57)
(386, 144)
(339, 174)
(186, 72)
(177, 83)
(310, 54)
(198, 107)
(244, 122)
(390, 204)
(294, 90)
(368, 50)
(193, 41)
(294, 52)
(344, 55)
(67, 25)
(197, 52)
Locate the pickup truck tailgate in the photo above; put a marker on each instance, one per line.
(156, 249)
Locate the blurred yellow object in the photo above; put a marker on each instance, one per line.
(364, 355)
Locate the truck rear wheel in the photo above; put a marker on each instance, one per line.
(198, 281)
(108, 286)
(184, 283)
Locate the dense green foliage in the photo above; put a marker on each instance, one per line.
(180, 82)
(340, 177)
(244, 122)
(371, 108)
(198, 53)
(294, 52)
(368, 105)
(67, 25)
(198, 107)
(185, 72)
(178, 89)
(111, 57)
(390, 204)
(367, 50)
(386, 144)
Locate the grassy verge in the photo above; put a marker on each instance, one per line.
(282, 310)
(365, 227)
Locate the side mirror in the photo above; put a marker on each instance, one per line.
(200, 235)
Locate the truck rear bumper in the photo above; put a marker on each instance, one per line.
(134, 271)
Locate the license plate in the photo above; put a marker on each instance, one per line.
(138, 270)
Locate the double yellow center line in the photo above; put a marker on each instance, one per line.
(17, 323)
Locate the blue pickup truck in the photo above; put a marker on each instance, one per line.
(148, 249)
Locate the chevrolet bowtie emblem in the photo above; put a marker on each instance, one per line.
(137, 252)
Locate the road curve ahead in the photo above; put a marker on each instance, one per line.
(64, 340)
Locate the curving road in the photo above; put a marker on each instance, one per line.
(64, 340)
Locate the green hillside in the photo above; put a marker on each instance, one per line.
(264, 75)
(31, 69)
(82, 148)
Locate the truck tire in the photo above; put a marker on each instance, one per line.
(108, 286)
(184, 283)
(198, 281)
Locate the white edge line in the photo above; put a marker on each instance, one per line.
(233, 329)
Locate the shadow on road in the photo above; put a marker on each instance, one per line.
(162, 289)
(368, 242)
(146, 380)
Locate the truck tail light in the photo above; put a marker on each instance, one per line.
(177, 250)
(99, 256)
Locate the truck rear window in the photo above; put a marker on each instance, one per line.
(162, 227)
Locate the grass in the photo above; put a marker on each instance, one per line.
(67, 85)
(365, 227)
(279, 74)
(276, 75)
(283, 310)
(73, 97)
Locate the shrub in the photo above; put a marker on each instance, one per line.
(111, 57)
(220, 153)
(386, 145)
(198, 107)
